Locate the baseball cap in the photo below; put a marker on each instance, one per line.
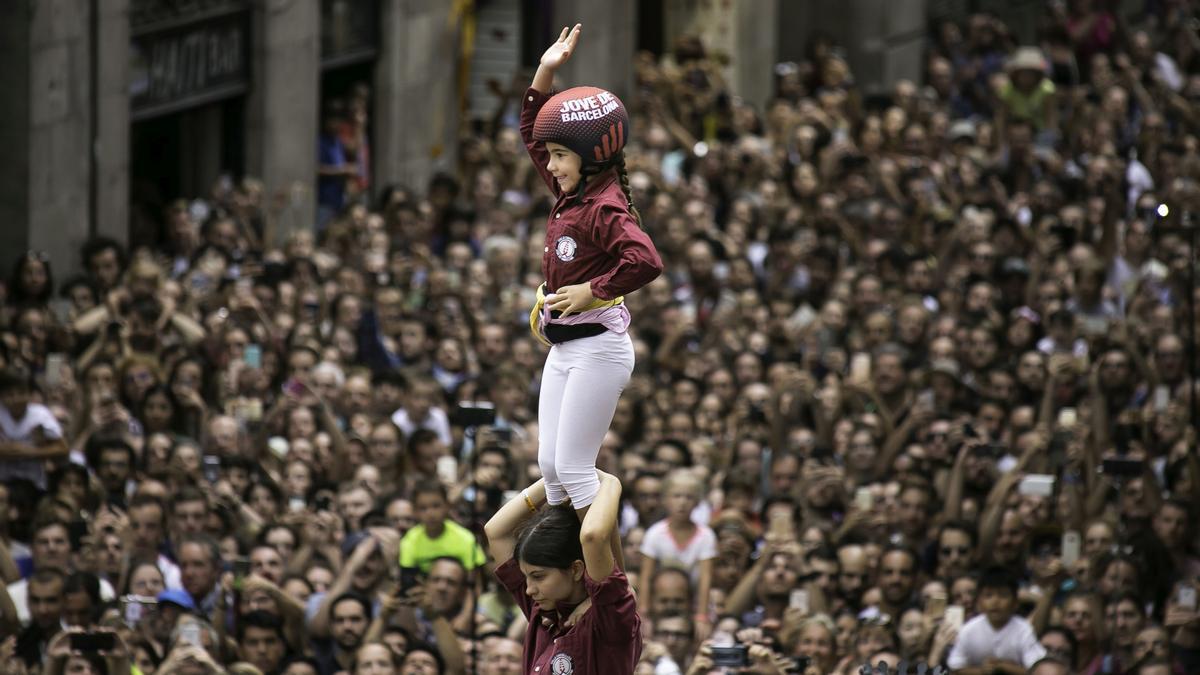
(177, 596)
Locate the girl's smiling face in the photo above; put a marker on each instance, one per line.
(564, 165)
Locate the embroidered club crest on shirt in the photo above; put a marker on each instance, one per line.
(561, 665)
(564, 248)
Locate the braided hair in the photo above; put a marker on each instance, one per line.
(623, 174)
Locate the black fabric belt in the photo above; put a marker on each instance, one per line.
(558, 333)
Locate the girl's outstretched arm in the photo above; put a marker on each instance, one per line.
(501, 529)
(598, 524)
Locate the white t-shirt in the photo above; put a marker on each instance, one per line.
(436, 421)
(19, 592)
(172, 576)
(978, 642)
(22, 431)
(660, 545)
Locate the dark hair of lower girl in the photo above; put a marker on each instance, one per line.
(623, 175)
(550, 538)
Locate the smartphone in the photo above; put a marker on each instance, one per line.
(252, 356)
(925, 399)
(1036, 485)
(76, 531)
(250, 410)
(293, 387)
(936, 605)
(1071, 543)
(241, 567)
(189, 633)
(93, 642)
(135, 607)
(447, 469)
(1162, 396)
(798, 599)
(860, 367)
(54, 365)
(502, 435)
(781, 523)
(475, 414)
(1095, 325)
(863, 499)
(297, 505)
(62, 309)
(1122, 467)
(212, 469)
(955, 616)
(1067, 417)
(1186, 597)
(410, 577)
(734, 656)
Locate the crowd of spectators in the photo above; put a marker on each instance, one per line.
(883, 321)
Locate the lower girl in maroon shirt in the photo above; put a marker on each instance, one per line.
(582, 614)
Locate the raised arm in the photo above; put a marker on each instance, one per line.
(596, 530)
(501, 529)
(320, 624)
(536, 97)
(556, 55)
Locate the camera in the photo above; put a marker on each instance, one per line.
(800, 664)
(1123, 467)
(734, 656)
(92, 642)
(475, 414)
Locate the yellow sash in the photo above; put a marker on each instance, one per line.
(541, 300)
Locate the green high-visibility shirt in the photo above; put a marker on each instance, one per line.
(418, 549)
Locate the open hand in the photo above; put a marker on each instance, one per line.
(561, 50)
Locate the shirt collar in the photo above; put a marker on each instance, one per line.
(594, 186)
(558, 615)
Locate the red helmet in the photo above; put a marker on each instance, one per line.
(590, 121)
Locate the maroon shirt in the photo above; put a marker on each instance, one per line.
(606, 639)
(594, 238)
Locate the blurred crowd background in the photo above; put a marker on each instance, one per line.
(906, 335)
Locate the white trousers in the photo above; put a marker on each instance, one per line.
(581, 383)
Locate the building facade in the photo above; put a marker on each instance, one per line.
(115, 108)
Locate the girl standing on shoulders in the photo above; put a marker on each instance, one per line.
(595, 253)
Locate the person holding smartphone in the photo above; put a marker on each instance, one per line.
(77, 651)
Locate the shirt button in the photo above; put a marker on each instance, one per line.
(558, 215)
(530, 98)
(546, 250)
